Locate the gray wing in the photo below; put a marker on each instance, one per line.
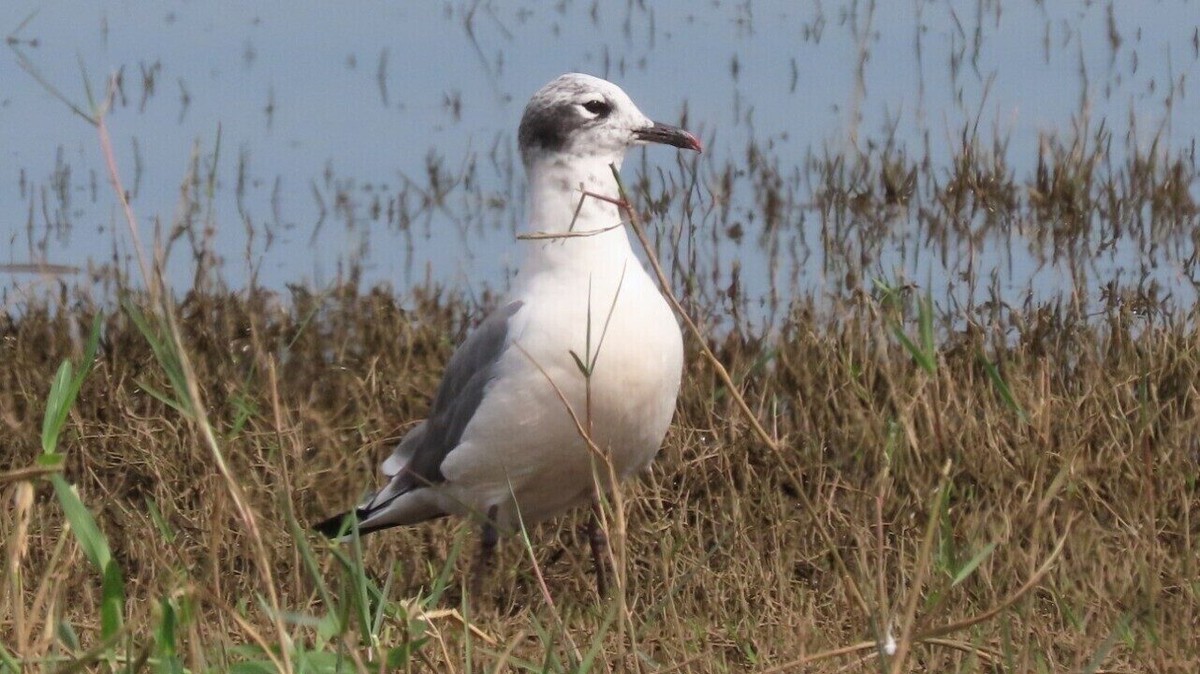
(418, 458)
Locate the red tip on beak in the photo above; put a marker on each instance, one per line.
(669, 135)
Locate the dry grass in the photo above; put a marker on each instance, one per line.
(726, 568)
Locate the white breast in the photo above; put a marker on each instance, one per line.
(635, 352)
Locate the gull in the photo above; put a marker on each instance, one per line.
(578, 368)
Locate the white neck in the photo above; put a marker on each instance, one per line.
(591, 236)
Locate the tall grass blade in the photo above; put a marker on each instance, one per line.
(1106, 646)
(65, 388)
(1002, 388)
(112, 598)
(6, 659)
(443, 578)
(593, 651)
(58, 405)
(925, 326)
(973, 563)
(919, 356)
(95, 548)
(91, 541)
(308, 559)
(165, 354)
(67, 636)
(165, 643)
(924, 350)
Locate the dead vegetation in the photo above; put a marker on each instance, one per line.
(1041, 427)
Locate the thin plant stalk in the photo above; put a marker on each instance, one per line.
(156, 285)
(723, 374)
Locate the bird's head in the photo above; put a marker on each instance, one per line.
(583, 116)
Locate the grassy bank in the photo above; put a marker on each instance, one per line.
(917, 485)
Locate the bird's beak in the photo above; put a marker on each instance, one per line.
(668, 135)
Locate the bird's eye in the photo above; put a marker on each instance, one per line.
(598, 108)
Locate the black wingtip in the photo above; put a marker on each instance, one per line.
(339, 525)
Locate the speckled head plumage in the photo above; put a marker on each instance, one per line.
(581, 115)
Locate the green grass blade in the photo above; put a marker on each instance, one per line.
(356, 587)
(65, 388)
(164, 353)
(58, 405)
(598, 640)
(922, 359)
(112, 603)
(925, 326)
(6, 659)
(1002, 388)
(443, 578)
(67, 635)
(92, 345)
(583, 369)
(362, 586)
(165, 643)
(165, 399)
(95, 548)
(382, 605)
(160, 523)
(308, 559)
(1101, 653)
(54, 461)
(253, 667)
(973, 564)
(91, 541)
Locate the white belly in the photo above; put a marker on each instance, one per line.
(525, 441)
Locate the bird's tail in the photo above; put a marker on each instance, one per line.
(342, 525)
(377, 514)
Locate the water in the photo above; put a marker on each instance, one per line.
(376, 143)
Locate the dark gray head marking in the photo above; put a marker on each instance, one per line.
(552, 115)
(545, 128)
(586, 117)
